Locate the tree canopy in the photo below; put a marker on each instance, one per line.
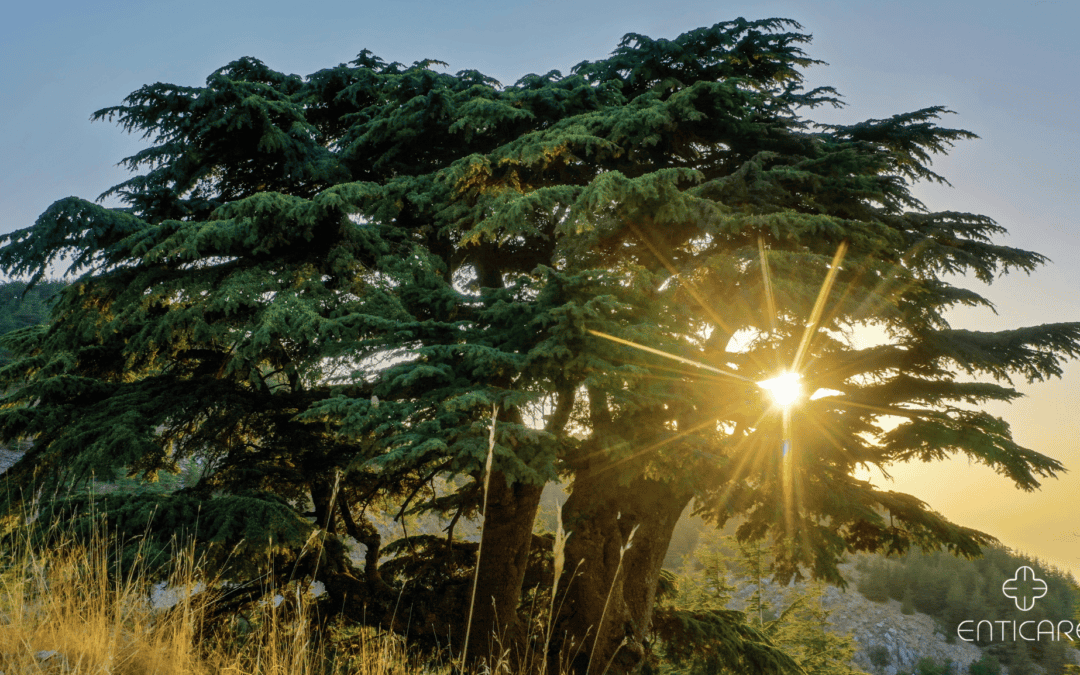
(332, 288)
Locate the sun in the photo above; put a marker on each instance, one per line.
(785, 389)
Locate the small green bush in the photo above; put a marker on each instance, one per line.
(987, 665)
(880, 656)
(928, 666)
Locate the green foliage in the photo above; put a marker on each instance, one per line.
(879, 656)
(928, 666)
(692, 620)
(238, 537)
(986, 665)
(875, 584)
(907, 605)
(704, 642)
(328, 289)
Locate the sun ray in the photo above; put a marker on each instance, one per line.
(686, 283)
(770, 301)
(744, 458)
(752, 453)
(791, 478)
(819, 306)
(829, 435)
(881, 287)
(884, 410)
(697, 374)
(658, 352)
(789, 488)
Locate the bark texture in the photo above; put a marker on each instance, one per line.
(600, 514)
(504, 556)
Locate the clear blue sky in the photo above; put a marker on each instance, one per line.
(1008, 69)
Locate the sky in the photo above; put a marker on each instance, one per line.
(1007, 69)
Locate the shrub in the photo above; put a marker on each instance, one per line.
(987, 665)
(880, 656)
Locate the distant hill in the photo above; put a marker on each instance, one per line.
(1002, 589)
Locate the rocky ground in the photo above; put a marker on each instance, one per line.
(908, 638)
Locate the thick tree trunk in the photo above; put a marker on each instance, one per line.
(607, 597)
(504, 555)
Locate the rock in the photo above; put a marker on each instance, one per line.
(51, 659)
(8, 458)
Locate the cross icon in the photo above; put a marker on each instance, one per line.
(1024, 597)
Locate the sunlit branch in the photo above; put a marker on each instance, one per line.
(881, 287)
(687, 284)
(897, 412)
(711, 369)
(741, 469)
(651, 448)
(828, 434)
(679, 371)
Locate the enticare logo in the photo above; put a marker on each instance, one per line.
(1023, 589)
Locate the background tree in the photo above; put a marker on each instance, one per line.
(875, 583)
(332, 288)
(699, 595)
(880, 657)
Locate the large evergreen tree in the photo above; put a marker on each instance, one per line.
(324, 286)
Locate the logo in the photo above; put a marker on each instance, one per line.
(1024, 588)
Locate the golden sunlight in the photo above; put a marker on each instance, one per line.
(785, 389)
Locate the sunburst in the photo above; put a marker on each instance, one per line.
(784, 385)
(786, 388)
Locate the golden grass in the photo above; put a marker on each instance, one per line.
(61, 612)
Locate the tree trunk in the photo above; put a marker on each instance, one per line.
(322, 498)
(600, 514)
(504, 555)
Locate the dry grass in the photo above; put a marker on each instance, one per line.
(61, 612)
